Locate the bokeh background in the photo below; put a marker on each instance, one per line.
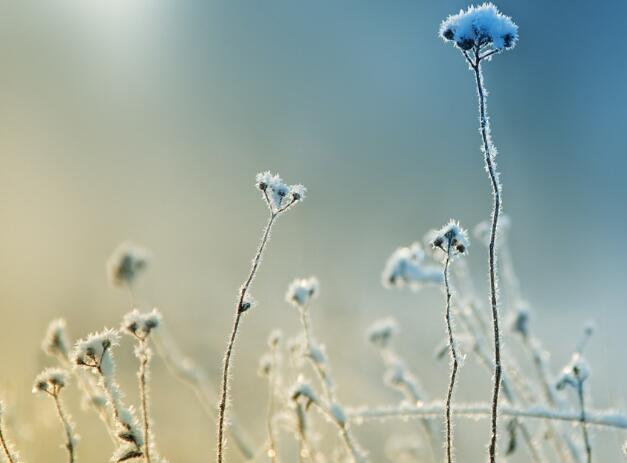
(147, 120)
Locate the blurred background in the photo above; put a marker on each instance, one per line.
(147, 120)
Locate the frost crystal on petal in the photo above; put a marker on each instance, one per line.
(479, 26)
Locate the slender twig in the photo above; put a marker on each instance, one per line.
(143, 392)
(582, 418)
(239, 310)
(67, 427)
(272, 384)
(453, 353)
(6, 448)
(602, 418)
(489, 152)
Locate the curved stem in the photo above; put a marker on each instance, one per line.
(5, 446)
(229, 348)
(273, 451)
(453, 352)
(69, 445)
(488, 151)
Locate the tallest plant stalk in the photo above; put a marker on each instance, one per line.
(489, 152)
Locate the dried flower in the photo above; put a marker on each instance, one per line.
(56, 341)
(140, 324)
(277, 194)
(51, 380)
(406, 267)
(451, 238)
(302, 290)
(126, 262)
(480, 26)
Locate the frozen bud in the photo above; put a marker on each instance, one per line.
(303, 390)
(94, 351)
(451, 238)
(51, 380)
(248, 302)
(406, 267)
(479, 26)
(266, 363)
(520, 321)
(338, 414)
(278, 195)
(381, 332)
(56, 341)
(275, 338)
(126, 262)
(302, 290)
(575, 373)
(141, 324)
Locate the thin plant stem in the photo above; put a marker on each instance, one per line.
(236, 322)
(143, 392)
(453, 353)
(582, 420)
(5, 446)
(273, 452)
(69, 445)
(488, 151)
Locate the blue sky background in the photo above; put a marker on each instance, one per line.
(147, 120)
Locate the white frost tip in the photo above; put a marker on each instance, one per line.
(278, 195)
(452, 239)
(406, 267)
(126, 262)
(302, 290)
(480, 26)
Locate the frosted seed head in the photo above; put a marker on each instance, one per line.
(126, 263)
(451, 239)
(301, 291)
(55, 341)
(51, 380)
(276, 193)
(94, 351)
(140, 324)
(520, 321)
(406, 268)
(381, 332)
(338, 414)
(266, 364)
(575, 373)
(275, 338)
(302, 390)
(480, 26)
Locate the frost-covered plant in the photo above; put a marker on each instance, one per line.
(406, 267)
(50, 382)
(126, 263)
(279, 197)
(268, 368)
(140, 326)
(8, 453)
(452, 241)
(481, 32)
(93, 353)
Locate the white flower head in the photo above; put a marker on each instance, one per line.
(278, 195)
(51, 381)
(452, 239)
(302, 290)
(126, 262)
(480, 26)
(95, 351)
(406, 267)
(575, 373)
(381, 332)
(55, 341)
(140, 324)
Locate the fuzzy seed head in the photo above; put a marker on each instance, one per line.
(451, 239)
(480, 26)
(277, 194)
(56, 341)
(51, 380)
(302, 290)
(140, 324)
(406, 267)
(126, 262)
(382, 331)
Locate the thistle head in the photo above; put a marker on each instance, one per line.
(451, 239)
(50, 381)
(480, 28)
(278, 195)
(406, 267)
(140, 324)
(56, 341)
(126, 262)
(382, 331)
(301, 291)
